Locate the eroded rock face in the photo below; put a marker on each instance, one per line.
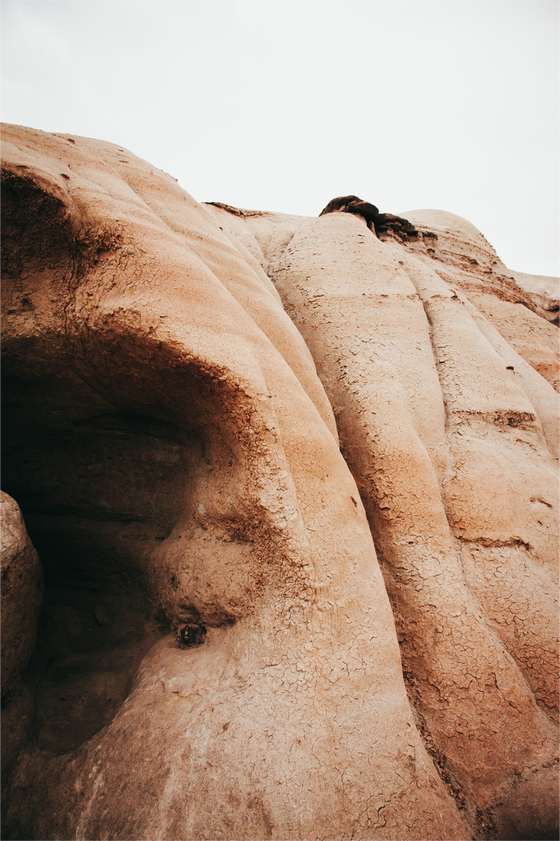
(217, 653)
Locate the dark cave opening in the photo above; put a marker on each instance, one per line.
(92, 636)
(98, 491)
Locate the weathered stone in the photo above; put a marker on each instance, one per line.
(22, 590)
(217, 654)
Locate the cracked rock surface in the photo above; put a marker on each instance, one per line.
(293, 485)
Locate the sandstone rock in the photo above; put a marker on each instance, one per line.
(22, 589)
(22, 584)
(543, 291)
(218, 656)
(461, 255)
(434, 440)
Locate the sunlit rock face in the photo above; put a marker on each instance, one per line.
(293, 487)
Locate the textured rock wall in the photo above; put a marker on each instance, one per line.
(209, 414)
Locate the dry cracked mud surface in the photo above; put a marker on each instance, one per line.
(279, 541)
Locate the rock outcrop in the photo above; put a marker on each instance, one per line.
(293, 486)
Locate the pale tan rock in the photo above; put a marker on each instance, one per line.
(214, 613)
(463, 510)
(167, 451)
(513, 302)
(544, 292)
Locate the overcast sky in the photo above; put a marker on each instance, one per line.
(450, 104)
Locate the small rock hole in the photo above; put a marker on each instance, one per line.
(190, 636)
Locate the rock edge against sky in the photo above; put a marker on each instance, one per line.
(287, 566)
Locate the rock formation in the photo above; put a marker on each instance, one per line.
(293, 487)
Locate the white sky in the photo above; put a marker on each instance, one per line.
(450, 104)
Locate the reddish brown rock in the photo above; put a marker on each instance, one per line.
(22, 591)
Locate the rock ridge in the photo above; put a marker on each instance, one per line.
(283, 510)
